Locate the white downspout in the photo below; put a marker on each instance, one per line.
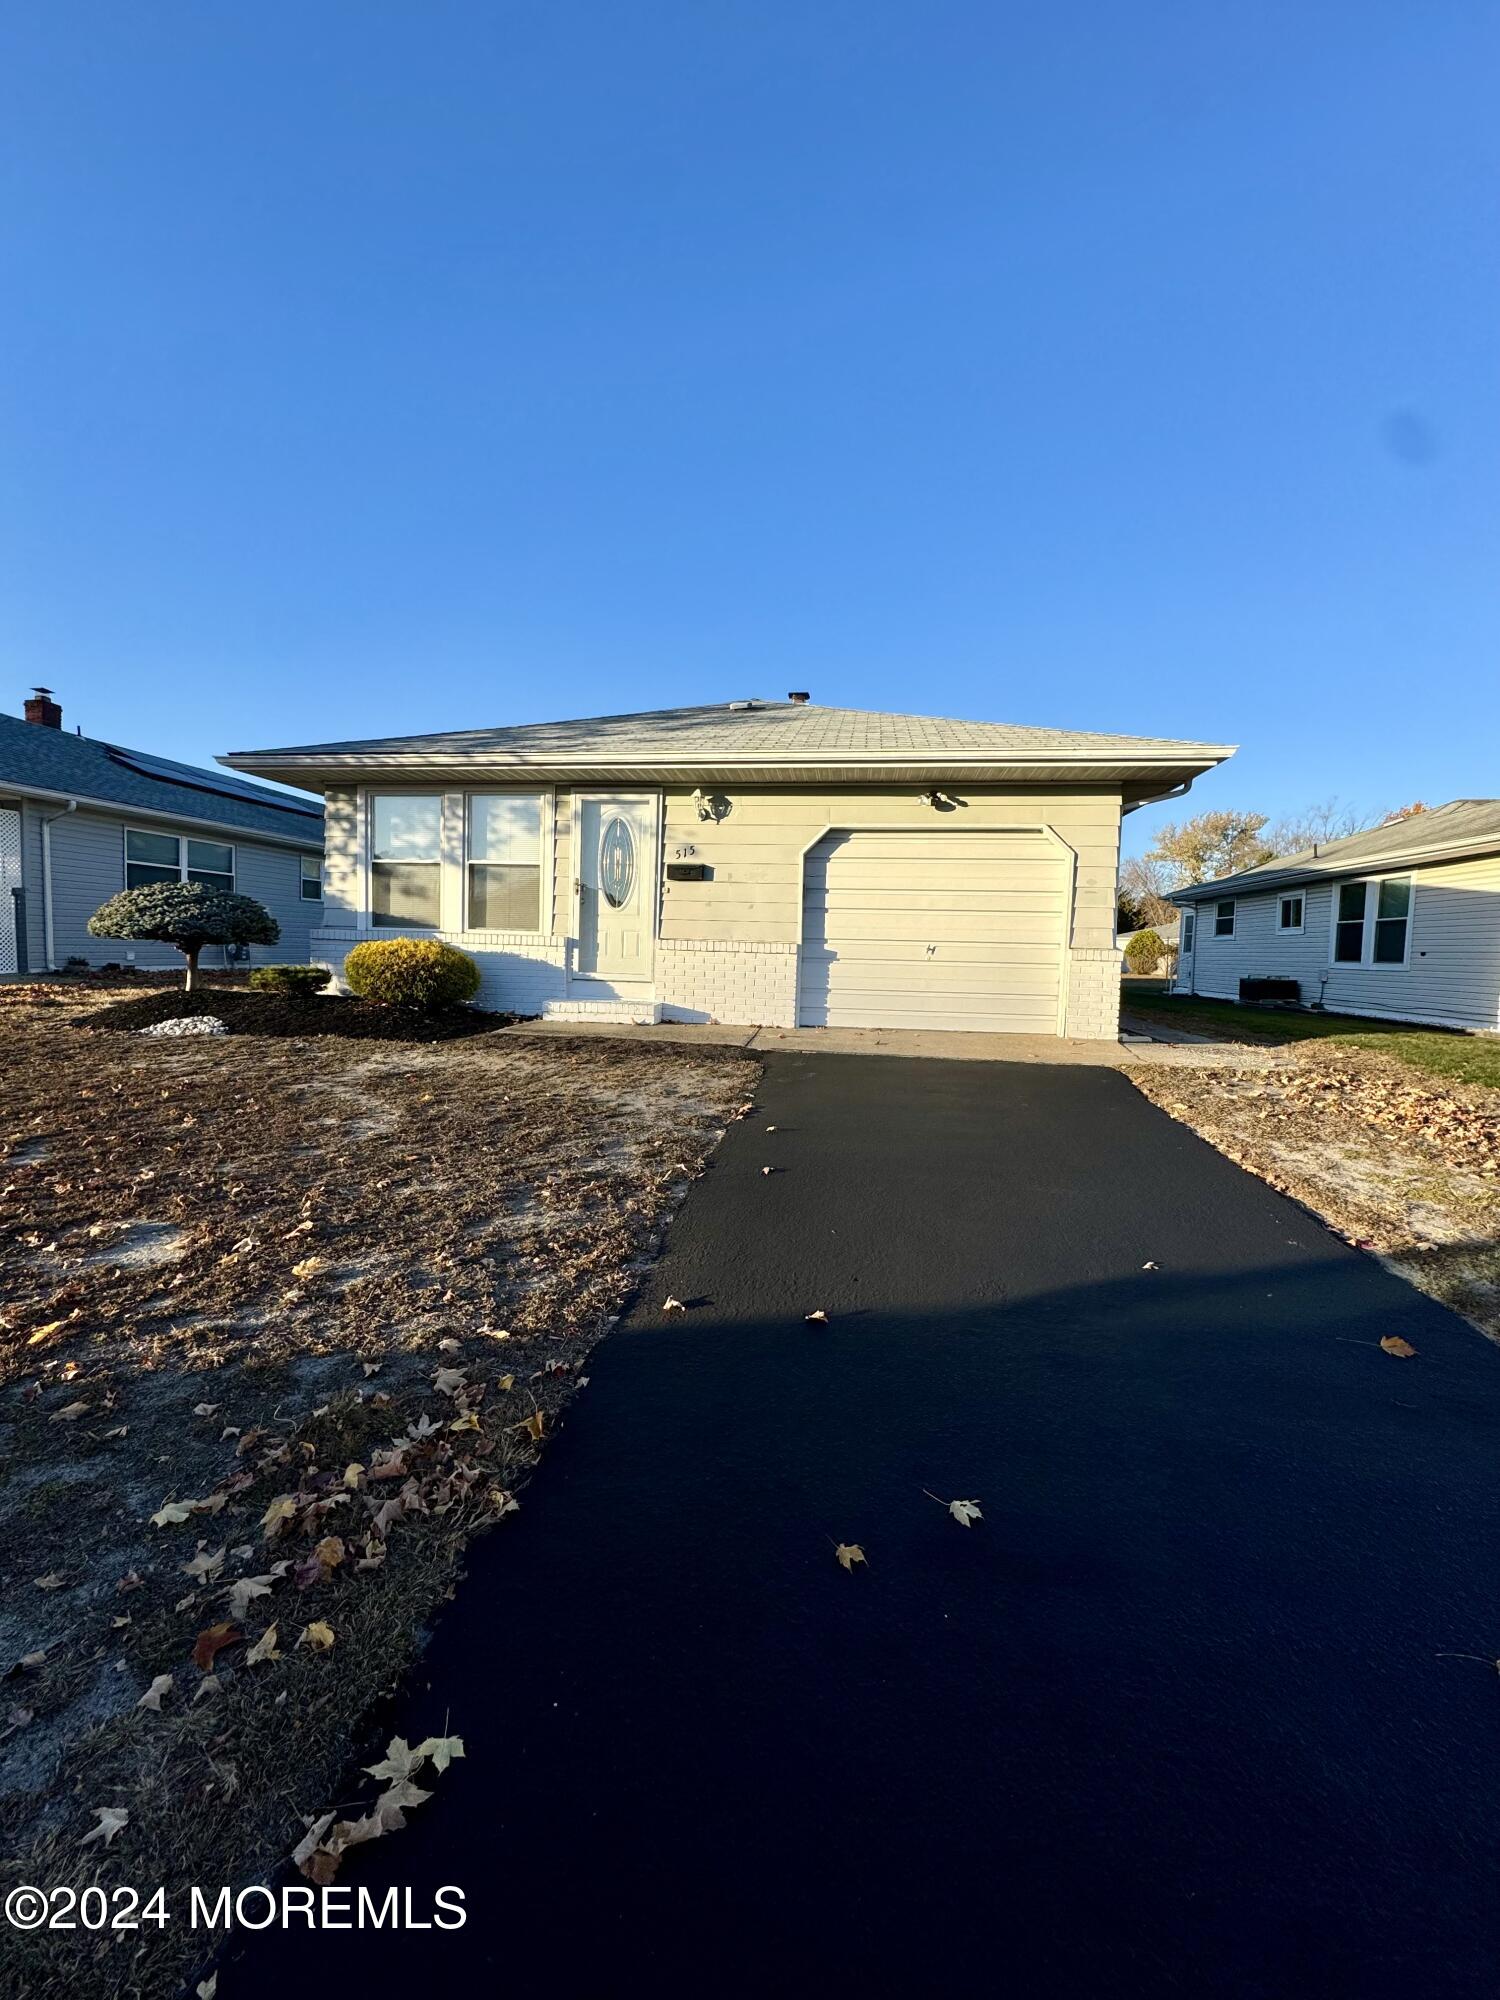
(49, 945)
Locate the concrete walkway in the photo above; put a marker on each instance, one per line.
(1168, 1046)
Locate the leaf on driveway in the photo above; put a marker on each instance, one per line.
(441, 1749)
(965, 1512)
(1394, 1344)
(819, 1317)
(849, 1553)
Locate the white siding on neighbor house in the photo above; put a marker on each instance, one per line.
(728, 945)
(88, 867)
(1452, 978)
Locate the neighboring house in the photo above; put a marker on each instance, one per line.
(1400, 922)
(80, 820)
(768, 862)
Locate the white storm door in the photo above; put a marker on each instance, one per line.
(616, 885)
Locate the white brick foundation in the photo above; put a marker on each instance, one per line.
(1093, 1013)
(745, 984)
(519, 972)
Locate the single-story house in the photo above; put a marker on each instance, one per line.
(1400, 923)
(81, 819)
(756, 861)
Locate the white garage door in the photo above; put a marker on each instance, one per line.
(933, 930)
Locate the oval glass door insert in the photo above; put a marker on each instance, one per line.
(617, 862)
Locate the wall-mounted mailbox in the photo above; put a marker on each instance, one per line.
(688, 871)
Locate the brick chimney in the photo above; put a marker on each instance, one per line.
(40, 707)
(798, 698)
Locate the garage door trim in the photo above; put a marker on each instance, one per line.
(1066, 854)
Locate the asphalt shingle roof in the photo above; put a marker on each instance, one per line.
(1462, 826)
(52, 760)
(743, 730)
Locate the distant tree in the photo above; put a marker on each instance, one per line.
(1128, 915)
(1294, 833)
(1145, 952)
(1211, 844)
(1144, 883)
(186, 915)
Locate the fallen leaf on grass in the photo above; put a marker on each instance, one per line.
(70, 1413)
(309, 1267)
(205, 1409)
(207, 1988)
(849, 1553)
(276, 1516)
(265, 1648)
(535, 1425)
(246, 1588)
(205, 1565)
(673, 1306)
(131, 1580)
(212, 1640)
(469, 1421)
(112, 1820)
(317, 1637)
(448, 1381)
(45, 1332)
(1394, 1344)
(51, 1581)
(152, 1697)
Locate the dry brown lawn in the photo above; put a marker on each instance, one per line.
(283, 1324)
(1398, 1160)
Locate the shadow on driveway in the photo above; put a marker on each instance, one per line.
(1168, 1720)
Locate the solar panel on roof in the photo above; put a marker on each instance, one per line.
(210, 781)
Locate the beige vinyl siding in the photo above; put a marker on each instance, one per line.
(755, 852)
(1452, 979)
(342, 898)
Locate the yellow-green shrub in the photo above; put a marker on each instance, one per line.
(422, 973)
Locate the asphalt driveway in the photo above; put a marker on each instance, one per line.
(1169, 1720)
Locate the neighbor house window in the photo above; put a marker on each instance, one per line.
(1224, 919)
(405, 865)
(211, 863)
(1189, 924)
(1372, 922)
(505, 862)
(167, 857)
(312, 878)
(1289, 914)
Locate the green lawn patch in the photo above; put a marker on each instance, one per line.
(1442, 1051)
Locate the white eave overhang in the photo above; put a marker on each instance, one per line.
(323, 772)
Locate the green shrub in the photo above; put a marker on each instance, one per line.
(422, 973)
(297, 982)
(187, 915)
(1145, 952)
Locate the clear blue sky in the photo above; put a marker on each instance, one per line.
(370, 367)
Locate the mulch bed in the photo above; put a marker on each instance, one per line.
(247, 1013)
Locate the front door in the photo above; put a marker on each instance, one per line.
(616, 872)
